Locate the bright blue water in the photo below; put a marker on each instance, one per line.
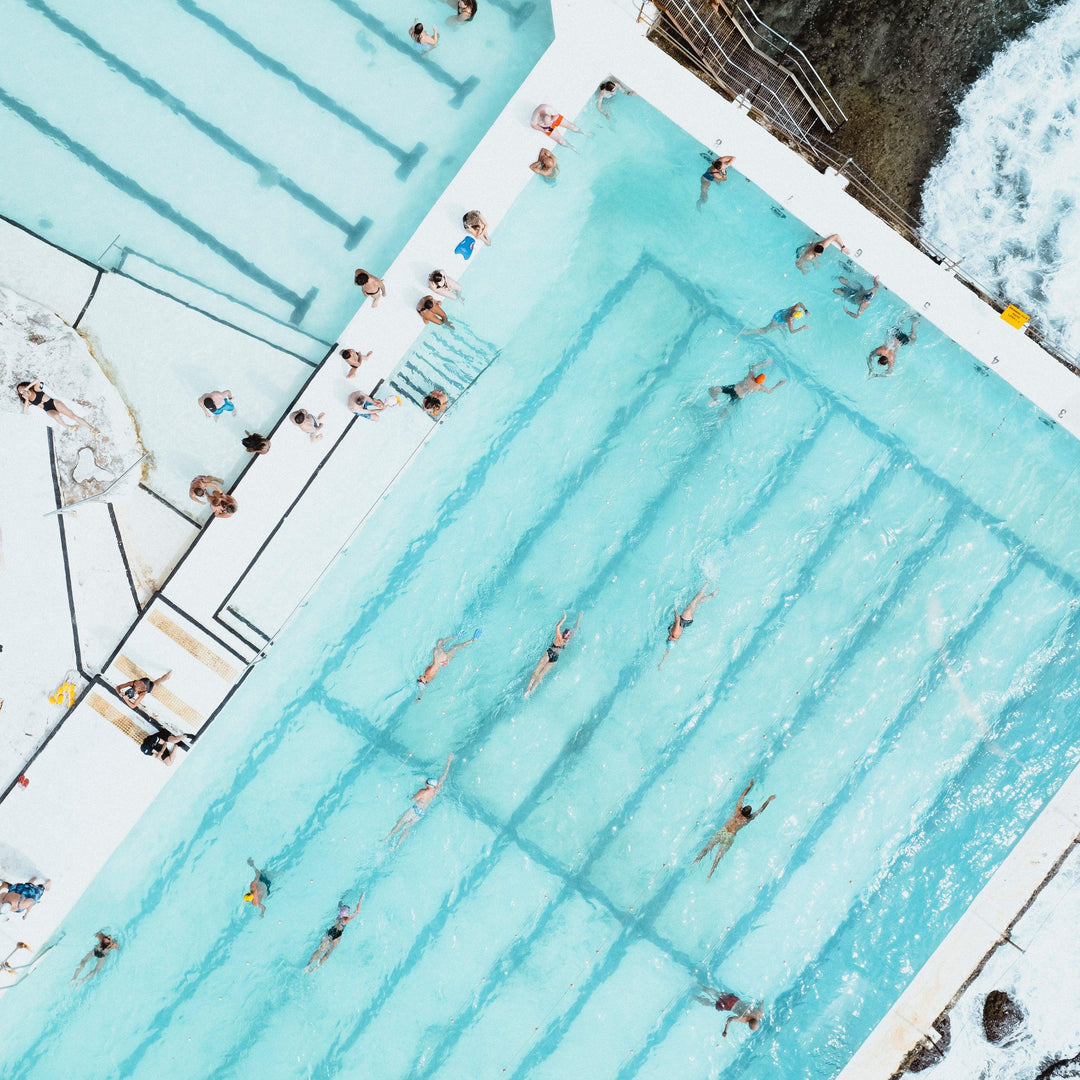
(893, 653)
(264, 149)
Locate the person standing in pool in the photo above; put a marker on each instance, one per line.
(423, 42)
(258, 890)
(685, 619)
(857, 294)
(609, 89)
(420, 803)
(372, 287)
(810, 253)
(216, 403)
(751, 383)
(440, 657)
(785, 316)
(716, 173)
(546, 165)
(106, 943)
(744, 1012)
(131, 693)
(333, 935)
(551, 657)
(883, 359)
(724, 837)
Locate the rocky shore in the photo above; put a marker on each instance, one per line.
(899, 69)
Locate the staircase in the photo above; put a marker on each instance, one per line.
(448, 360)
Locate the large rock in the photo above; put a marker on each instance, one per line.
(1065, 1069)
(1001, 1016)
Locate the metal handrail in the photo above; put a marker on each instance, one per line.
(791, 125)
(790, 50)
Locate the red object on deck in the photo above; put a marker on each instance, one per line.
(23, 781)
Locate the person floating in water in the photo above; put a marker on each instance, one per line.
(809, 254)
(333, 935)
(744, 1012)
(686, 618)
(106, 943)
(751, 383)
(857, 294)
(440, 657)
(716, 173)
(783, 317)
(258, 890)
(723, 838)
(883, 359)
(551, 657)
(420, 803)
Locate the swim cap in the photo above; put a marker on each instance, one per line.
(431, 783)
(343, 911)
(759, 378)
(248, 897)
(797, 313)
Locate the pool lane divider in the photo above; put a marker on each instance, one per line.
(407, 159)
(354, 232)
(161, 207)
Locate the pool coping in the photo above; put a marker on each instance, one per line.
(588, 45)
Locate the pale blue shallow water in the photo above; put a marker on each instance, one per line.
(264, 149)
(893, 653)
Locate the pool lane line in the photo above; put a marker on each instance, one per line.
(174, 508)
(407, 159)
(400, 42)
(161, 207)
(248, 623)
(119, 270)
(199, 626)
(89, 299)
(124, 557)
(354, 232)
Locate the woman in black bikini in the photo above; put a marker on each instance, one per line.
(551, 657)
(31, 393)
(372, 287)
(106, 943)
(333, 935)
(131, 693)
(684, 620)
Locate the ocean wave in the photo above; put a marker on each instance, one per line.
(1006, 196)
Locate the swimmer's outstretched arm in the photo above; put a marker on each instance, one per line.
(761, 809)
(742, 797)
(759, 365)
(449, 758)
(773, 389)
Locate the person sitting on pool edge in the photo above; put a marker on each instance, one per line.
(442, 284)
(685, 619)
(333, 935)
(430, 310)
(609, 89)
(546, 165)
(546, 120)
(716, 173)
(420, 802)
(883, 359)
(162, 746)
(751, 383)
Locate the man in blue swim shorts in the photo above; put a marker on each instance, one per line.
(216, 403)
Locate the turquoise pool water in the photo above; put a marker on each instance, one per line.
(893, 654)
(264, 150)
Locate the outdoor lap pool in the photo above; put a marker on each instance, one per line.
(892, 653)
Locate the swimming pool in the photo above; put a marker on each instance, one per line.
(263, 150)
(892, 653)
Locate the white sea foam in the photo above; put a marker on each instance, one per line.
(1006, 196)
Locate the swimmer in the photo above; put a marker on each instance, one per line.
(751, 383)
(31, 393)
(333, 935)
(422, 40)
(551, 657)
(546, 120)
(420, 803)
(258, 890)
(855, 293)
(809, 254)
(430, 310)
(216, 403)
(106, 943)
(685, 619)
(24, 896)
(440, 657)
(546, 165)
(466, 11)
(435, 403)
(723, 838)
(607, 90)
(716, 173)
(783, 317)
(744, 1012)
(131, 693)
(372, 287)
(442, 284)
(353, 359)
(365, 406)
(883, 359)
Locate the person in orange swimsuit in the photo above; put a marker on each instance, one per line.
(546, 120)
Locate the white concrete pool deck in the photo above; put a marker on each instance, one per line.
(89, 784)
